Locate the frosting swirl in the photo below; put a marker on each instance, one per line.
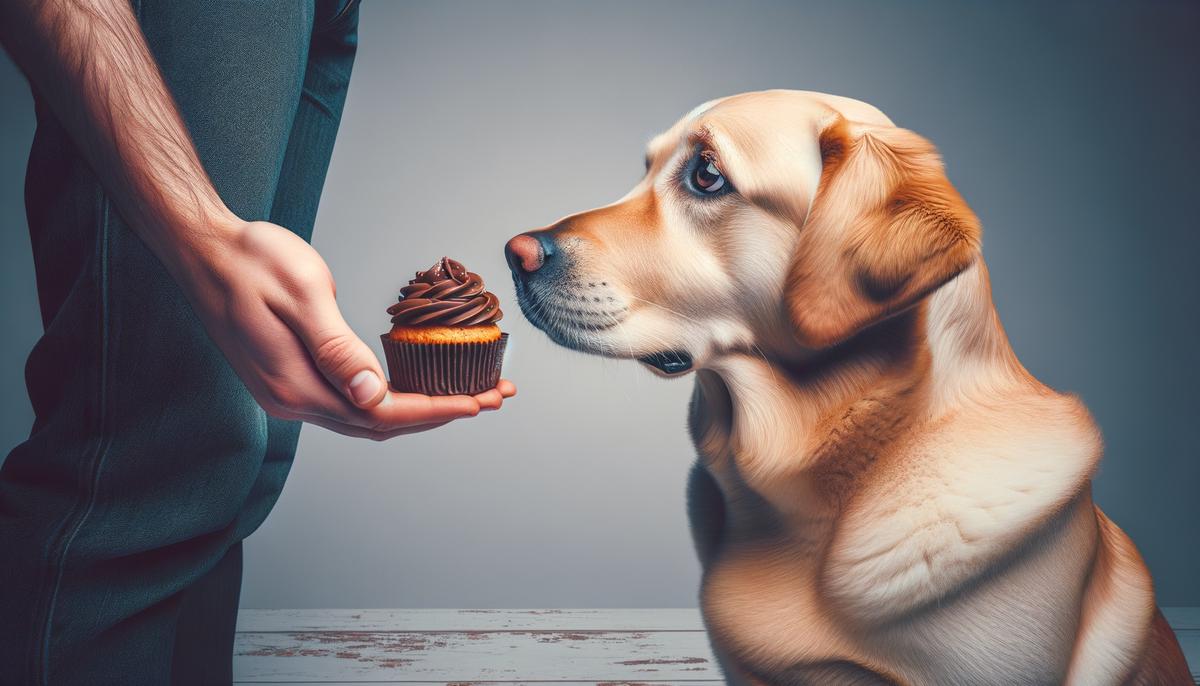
(445, 295)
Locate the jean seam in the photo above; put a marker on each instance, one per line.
(337, 18)
(311, 95)
(57, 563)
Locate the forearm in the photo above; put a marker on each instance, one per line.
(89, 61)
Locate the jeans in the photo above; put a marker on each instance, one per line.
(122, 515)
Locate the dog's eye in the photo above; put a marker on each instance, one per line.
(706, 178)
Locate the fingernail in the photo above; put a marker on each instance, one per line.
(364, 386)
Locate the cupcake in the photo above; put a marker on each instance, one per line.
(444, 339)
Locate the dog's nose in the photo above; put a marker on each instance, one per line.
(528, 252)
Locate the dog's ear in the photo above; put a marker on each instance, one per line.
(886, 229)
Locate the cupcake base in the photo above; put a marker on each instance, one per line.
(444, 368)
(476, 333)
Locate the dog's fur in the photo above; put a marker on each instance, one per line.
(883, 494)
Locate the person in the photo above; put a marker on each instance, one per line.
(187, 331)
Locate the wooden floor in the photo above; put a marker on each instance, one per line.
(601, 647)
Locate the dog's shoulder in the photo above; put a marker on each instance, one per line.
(965, 489)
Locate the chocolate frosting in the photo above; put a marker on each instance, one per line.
(445, 295)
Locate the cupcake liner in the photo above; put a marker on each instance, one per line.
(444, 368)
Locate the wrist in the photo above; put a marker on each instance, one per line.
(193, 247)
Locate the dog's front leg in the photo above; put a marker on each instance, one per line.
(735, 675)
(706, 513)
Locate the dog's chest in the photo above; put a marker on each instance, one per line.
(767, 608)
(796, 581)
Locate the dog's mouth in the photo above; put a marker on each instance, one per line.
(670, 362)
(570, 332)
(583, 323)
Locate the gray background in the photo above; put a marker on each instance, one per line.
(1069, 129)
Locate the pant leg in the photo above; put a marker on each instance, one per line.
(207, 619)
(302, 176)
(203, 641)
(145, 445)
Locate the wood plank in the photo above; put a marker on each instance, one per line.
(669, 619)
(645, 619)
(461, 656)
(502, 646)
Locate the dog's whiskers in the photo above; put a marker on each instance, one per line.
(664, 307)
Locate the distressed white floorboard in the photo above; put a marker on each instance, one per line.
(476, 656)
(656, 619)
(462, 647)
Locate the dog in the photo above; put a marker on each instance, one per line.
(883, 494)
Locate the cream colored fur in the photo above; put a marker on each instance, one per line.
(883, 493)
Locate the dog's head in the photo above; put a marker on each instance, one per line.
(780, 220)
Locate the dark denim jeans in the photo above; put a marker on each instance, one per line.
(122, 515)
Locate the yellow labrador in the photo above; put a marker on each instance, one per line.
(883, 494)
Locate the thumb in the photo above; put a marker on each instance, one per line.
(345, 360)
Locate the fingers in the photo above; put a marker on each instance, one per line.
(398, 410)
(359, 432)
(494, 399)
(341, 356)
(489, 400)
(395, 413)
(398, 414)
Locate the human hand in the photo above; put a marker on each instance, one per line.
(267, 299)
(264, 295)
